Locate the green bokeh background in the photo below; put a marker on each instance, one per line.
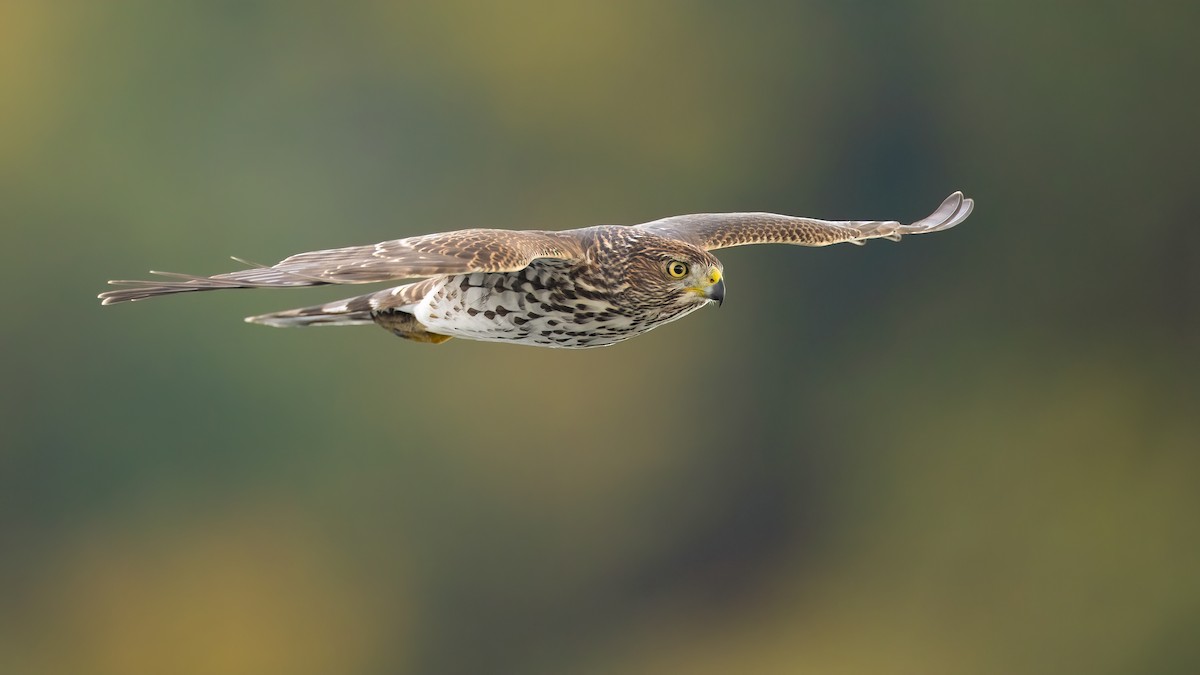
(975, 452)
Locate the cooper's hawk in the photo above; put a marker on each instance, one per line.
(590, 287)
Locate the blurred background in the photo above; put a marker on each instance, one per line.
(975, 452)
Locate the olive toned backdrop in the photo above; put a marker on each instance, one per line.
(975, 452)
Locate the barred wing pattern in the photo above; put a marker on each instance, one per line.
(712, 231)
(476, 250)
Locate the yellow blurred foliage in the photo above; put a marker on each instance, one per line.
(251, 589)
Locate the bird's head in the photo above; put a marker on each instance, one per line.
(668, 276)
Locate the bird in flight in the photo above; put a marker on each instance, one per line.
(589, 287)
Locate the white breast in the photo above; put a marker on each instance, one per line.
(515, 307)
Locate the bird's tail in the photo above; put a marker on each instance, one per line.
(359, 310)
(349, 312)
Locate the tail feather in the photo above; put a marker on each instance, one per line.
(351, 312)
(354, 311)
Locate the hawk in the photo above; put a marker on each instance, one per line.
(588, 287)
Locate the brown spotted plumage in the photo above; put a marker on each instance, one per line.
(589, 287)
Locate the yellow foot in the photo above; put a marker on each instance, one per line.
(405, 325)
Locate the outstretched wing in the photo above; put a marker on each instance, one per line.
(722, 230)
(457, 252)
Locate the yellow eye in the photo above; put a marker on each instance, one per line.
(677, 269)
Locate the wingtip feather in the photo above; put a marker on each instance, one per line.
(952, 211)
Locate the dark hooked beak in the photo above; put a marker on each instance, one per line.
(716, 292)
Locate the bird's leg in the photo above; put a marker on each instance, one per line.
(405, 325)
